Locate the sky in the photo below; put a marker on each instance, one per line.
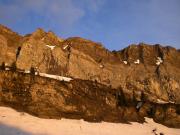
(114, 23)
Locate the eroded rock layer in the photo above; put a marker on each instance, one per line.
(80, 99)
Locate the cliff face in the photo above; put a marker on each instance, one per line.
(152, 70)
(80, 99)
(9, 43)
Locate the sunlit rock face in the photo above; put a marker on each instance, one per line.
(45, 97)
(9, 44)
(84, 59)
(149, 70)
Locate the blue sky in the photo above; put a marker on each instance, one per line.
(115, 23)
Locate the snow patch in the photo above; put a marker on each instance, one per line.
(60, 78)
(125, 62)
(160, 101)
(159, 61)
(65, 47)
(50, 46)
(137, 61)
(7, 68)
(36, 73)
(171, 102)
(101, 66)
(27, 71)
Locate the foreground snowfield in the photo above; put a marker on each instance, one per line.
(16, 123)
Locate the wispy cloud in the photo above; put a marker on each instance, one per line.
(63, 13)
(114, 22)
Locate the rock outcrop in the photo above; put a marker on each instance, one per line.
(9, 44)
(149, 70)
(80, 99)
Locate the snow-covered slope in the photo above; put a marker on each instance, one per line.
(16, 123)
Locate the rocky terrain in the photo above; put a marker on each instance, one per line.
(119, 86)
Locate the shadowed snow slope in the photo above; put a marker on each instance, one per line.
(15, 123)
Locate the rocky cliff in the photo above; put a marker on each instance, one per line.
(80, 99)
(148, 70)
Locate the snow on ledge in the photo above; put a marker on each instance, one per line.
(125, 62)
(137, 61)
(101, 66)
(50, 46)
(7, 68)
(160, 101)
(65, 47)
(60, 78)
(27, 71)
(159, 61)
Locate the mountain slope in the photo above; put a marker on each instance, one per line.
(148, 71)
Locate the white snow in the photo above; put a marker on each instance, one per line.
(65, 47)
(60, 78)
(7, 68)
(101, 66)
(137, 61)
(171, 102)
(36, 73)
(50, 46)
(160, 101)
(27, 71)
(159, 61)
(125, 62)
(16, 123)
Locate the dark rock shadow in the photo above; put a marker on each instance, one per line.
(10, 130)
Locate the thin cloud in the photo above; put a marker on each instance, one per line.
(57, 11)
(62, 13)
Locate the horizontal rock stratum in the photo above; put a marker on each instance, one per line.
(151, 71)
(80, 99)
